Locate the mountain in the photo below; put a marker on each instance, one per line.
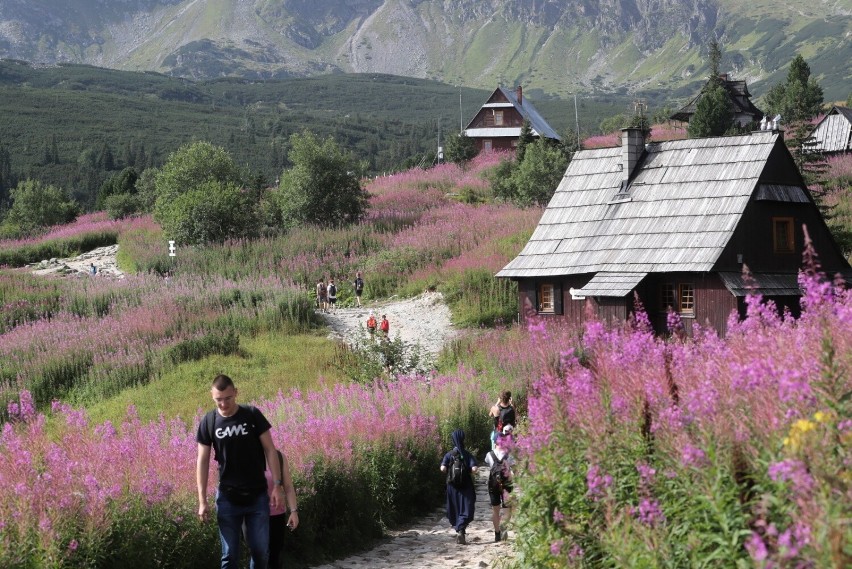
(558, 46)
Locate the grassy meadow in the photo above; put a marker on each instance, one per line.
(634, 450)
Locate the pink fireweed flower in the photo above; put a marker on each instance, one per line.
(646, 474)
(597, 483)
(756, 547)
(556, 547)
(793, 472)
(576, 553)
(793, 539)
(692, 457)
(649, 512)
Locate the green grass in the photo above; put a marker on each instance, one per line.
(267, 364)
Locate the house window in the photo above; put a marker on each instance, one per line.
(546, 299)
(782, 235)
(486, 144)
(667, 297)
(498, 118)
(687, 299)
(679, 298)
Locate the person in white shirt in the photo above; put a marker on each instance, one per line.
(500, 482)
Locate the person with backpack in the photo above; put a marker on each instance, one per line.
(384, 326)
(371, 325)
(242, 445)
(502, 413)
(331, 294)
(459, 466)
(284, 516)
(358, 285)
(500, 482)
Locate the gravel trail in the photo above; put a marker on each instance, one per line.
(423, 320)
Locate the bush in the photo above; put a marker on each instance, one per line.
(119, 206)
(211, 212)
(36, 205)
(370, 358)
(322, 188)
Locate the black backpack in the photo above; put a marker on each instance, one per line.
(505, 417)
(332, 291)
(497, 479)
(457, 473)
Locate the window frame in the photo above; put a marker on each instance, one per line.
(541, 296)
(487, 145)
(668, 297)
(684, 291)
(498, 118)
(680, 296)
(788, 246)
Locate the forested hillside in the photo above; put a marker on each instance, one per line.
(75, 125)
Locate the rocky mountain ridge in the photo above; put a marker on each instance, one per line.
(559, 46)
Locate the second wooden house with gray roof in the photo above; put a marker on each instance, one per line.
(497, 124)
(833, 134)
(673, 222)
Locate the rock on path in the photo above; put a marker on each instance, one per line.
(423, 320)
(430, 543)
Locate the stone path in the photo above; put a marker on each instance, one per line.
(103, 258)
(430, 542)
(423, 320)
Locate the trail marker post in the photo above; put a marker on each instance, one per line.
(172, 249)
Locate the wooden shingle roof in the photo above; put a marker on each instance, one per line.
(686, 197)
(739, 101)
(834, 132)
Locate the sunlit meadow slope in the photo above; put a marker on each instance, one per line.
(109, 493)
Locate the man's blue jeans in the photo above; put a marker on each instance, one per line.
(256, 519)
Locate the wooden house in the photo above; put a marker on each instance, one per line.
(675, 223)
(834, 132)
(743, 110)
(497, 125)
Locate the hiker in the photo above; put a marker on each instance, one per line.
(500, 481)
(371, 325)
(459, 465)
(242, 445)
(503, 413)
(284, 516)
(384, 326)
(331, 293)
(93, 269)
(322, 295)
(359, 287)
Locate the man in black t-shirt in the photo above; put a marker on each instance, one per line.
(243, 448)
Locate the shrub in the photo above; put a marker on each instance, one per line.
(119, 206)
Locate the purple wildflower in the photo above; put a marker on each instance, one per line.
(756, 548)
(556, 547)
(597, 483)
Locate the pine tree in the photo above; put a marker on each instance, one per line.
(525, 139)
(713, 112)
(799, 98)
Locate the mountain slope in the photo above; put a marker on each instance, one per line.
(558, 46)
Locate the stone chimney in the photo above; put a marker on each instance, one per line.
(632, 147)
(519, 94)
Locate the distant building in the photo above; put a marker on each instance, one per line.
(497, 125)
(673, 222)
(834, 132)
(743, 110)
